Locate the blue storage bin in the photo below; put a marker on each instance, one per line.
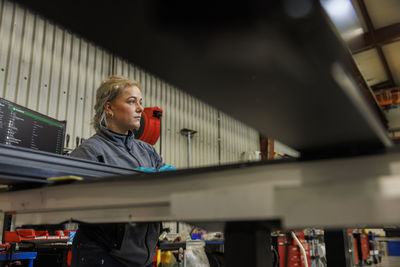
(394, 248)
(196, 236)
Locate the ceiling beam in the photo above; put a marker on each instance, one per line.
(371, 29)
(382, 36)
(382, 85)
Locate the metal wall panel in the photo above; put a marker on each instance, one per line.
(238, 141)
(36, 61)
(184, 111)
(48, 69)
(57, 67)
(52, 71)
(26, 66)
(5, 25)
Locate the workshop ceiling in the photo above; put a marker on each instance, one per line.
(371, 67)
(383, 13)
(376, 50)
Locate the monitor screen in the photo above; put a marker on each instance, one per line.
(20, 126)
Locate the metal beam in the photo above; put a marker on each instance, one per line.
(336, 193)
(21, 165)
(383, 85)
(382, 36)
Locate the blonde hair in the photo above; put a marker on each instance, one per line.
(108, 90)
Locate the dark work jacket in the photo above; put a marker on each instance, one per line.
(131, 244)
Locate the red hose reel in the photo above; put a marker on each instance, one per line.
(150, 125)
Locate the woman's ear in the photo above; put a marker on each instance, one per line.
(107, 106)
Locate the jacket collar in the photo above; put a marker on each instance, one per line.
(123, 140)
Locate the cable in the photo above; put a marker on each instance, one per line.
(275, 256)
(303, 251)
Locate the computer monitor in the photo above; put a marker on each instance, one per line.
(20, 126)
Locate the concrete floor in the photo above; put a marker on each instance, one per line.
(388, 261)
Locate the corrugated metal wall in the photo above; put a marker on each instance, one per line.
(48, 69)
(55, 72)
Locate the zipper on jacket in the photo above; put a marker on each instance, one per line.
(147, 245)
(129, 151)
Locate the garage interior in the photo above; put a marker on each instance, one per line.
(281, 120)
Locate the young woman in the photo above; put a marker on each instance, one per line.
(118, 110)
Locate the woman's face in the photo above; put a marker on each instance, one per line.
(126, 109)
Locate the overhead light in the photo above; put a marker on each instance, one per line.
(344, 17)
(352, 33)
(338, 9)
